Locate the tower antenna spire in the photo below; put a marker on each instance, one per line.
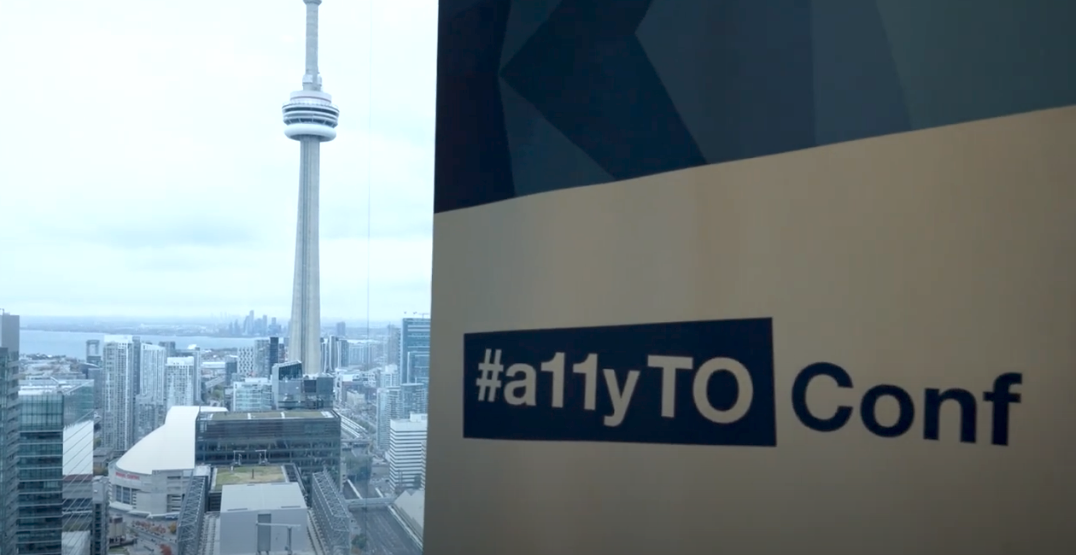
(312, 79)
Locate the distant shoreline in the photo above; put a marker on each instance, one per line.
(142, 331)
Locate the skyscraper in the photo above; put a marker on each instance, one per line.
(310, 118)
(55, 461)
(121, 360)
(415, 350)
(180, 382)
(40, 462)
(149, 403)
(9, 430)
(93, 351)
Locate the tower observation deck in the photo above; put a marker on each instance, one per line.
(310, 117)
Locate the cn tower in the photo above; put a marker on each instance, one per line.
(310, 118)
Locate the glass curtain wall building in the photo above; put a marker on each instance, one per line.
(415, 350)
(55, 466)
(309, 439)
(9, 441)
(40, 471)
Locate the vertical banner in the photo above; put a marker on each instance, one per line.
(754, 277)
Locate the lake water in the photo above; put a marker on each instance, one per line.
(73, 344)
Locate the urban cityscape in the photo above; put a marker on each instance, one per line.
(252, 435)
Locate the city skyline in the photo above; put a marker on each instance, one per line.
(201, 218)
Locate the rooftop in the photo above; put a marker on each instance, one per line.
(261, 497)
(416, 423)
(170, 447)
(241, 475)
(268, 415)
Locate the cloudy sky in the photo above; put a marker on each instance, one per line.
(144, 170)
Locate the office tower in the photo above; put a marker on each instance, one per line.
(276, 353)
(181, 382)
(252, 395)
(405, 452)
(310, 118)
(266, 354)
(9, 430)
(55, 461)
(261, 357)
(149, 405)
(388, 409)
(121, 358)
(97, 374)
(99, 529)
(336, 351)
(40, 462)
(392, 346)
(413, 398)
(231, 368)
(415, 350)
(246, 358)
(341, 329)
(93, 351)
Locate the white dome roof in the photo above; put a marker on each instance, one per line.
(170, 447)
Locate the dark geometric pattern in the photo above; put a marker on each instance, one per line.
(540, 95)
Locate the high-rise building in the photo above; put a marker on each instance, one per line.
(93, 351)
(195, 353)
(231, 369)
(341, 329)
(334, 353)
(392, 346)
(388, 377)
(55, 461)
(413, 399)
(261, 357)
(266, 354)
(388, 409)
(121, 360)
(40, 464)
(9, 431)
(252, 395)
(99, 529)
(180, 383)
(246, 362)
(169, 347)
(415, 350)
(405, 454)
(276, 352)
(149, 405)
(100, 394)
(310, 118)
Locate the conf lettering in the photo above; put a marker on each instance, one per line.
(930, 402)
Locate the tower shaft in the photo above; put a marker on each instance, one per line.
(304, 333)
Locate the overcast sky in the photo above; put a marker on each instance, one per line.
(144, 170)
